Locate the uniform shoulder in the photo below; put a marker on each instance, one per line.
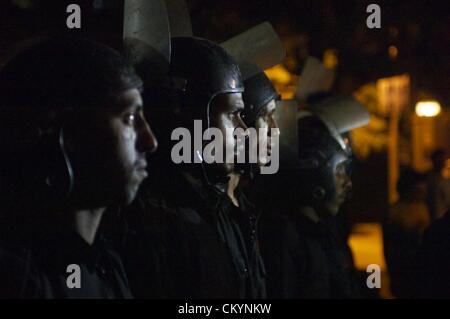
(18, 272)
(439, 229)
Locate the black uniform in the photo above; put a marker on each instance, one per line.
(306, 259)
(238, 228)
(38, 268)
(172, 251)
(434, 260)
(279, 243)
(323, 260)
(186, 242)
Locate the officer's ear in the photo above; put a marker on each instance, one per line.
(318, 193)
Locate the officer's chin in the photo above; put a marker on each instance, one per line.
(129, 196)
(264, 161)
(332, 208)
(229, 168)
(130, 192)
(222, 169)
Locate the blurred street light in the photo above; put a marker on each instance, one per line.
(393, 52)
(428, 108)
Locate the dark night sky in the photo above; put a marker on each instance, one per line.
(419, 29)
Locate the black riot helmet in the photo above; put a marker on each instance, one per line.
(200, 70)
(318, 156)
(324, 143)
(43, 90)
(309, 156)
(259, 91)
(315, 143)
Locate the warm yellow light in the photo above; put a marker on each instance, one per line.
(278, 74)
(446, 169)
(428, 108)
(330, 59)
(393, 52)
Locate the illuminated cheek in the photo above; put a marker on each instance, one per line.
(263, 138)
(229, 144)
(128, 140)
(340, 181)
(125, 147)
(227, 129)
(262, 128)
(129, 135)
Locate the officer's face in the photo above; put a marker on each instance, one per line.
(113, 146)
(226, 116)
(263, 124)
(342, 183)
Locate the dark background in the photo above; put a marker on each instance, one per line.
(420, 30)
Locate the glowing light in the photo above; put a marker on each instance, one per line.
(393, 52)
(330, 59)
(279, 74)
(428, 108)
(446, 169)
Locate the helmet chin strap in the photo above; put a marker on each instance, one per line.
(68, 165)
(60, 183)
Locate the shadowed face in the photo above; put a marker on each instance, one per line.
(342, 183)
(263, 124)
(110, 149)
(226, 116)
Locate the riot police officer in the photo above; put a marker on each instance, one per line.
(185, 241)
(314, 181)
(259, 107)
(74, 139)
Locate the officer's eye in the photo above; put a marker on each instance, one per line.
(341, 168)
(130, 119)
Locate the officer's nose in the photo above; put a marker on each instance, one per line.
(147, 142)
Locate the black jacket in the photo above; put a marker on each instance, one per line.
(238, 229)
(37, 268)
(434, 260)
(279, 243)
(181, 242)
(323, 259)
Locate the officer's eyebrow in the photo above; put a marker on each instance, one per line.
(127, 102)
(137, 105)
(127, 107)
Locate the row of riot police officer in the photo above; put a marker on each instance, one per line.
(79, 221)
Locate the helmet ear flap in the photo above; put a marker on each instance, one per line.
(39, 166)
(52, 145)
(59, 176)
(52, 172)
